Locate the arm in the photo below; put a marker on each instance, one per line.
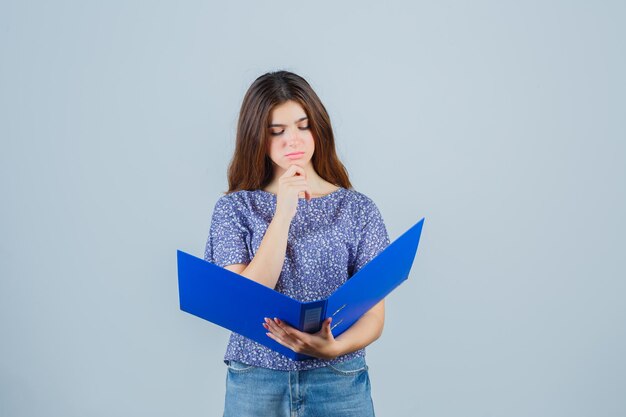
(267, 264)
(268, 261)
(363, 332)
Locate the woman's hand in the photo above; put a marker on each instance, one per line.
(321, 345)
(290, 185)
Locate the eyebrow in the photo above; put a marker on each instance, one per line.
(279, 125)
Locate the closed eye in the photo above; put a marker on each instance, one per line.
(282, 131)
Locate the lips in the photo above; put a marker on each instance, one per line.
(295, 153)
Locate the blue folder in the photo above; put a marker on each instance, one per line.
(240, 304)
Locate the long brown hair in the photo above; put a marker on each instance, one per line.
(251, 167)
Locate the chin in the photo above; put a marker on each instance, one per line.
(302, 162)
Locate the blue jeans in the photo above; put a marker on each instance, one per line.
(341, 389)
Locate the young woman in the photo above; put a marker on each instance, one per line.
(290, 220)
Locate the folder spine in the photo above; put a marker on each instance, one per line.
(311, 316)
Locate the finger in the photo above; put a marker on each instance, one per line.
(296, 184)
(295, 181)
(289, 345)
(291, 171)
(305, 193)
(293, 178)
(282, 334)
(278, 336)
(266, 326)
(289, 330)
(326, 326)
(284, 327)
(301, 186)
(274, 328)
(279, 340)
(284, 331)
(297, 170)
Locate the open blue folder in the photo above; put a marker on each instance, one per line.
(241, 304)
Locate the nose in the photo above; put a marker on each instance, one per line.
(293, 138)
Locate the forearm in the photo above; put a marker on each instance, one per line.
(267, 264)
(363, 332)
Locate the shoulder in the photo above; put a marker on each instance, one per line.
(363, 202)
(237, 198)
(227, 204)
(240, 203)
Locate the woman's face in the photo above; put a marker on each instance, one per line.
(289, 133)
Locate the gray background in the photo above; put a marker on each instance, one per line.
(500, 122)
